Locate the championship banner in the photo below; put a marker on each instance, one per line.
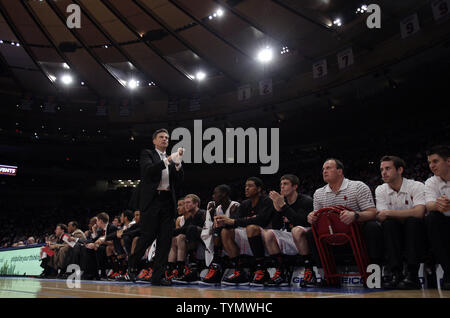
(440, 9)
(50, 106)
(345, 58)
(101, 108)
(320, 69)
(124, 108)
(172, 105)
(26, 103)
(409, 25)
(244, 92)
(194, 104)
(8, 170)
(265, 87)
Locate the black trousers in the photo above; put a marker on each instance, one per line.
(157, 222)
(88, 262)
(101, 258)
(404, 237)
(128, 240)
(372, 235)
(73, 256)
(118, 248)
(438, 226)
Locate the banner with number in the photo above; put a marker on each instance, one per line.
(244, 92)
(50, 106)
(265, 87)
(440, 9)
(409, 25)
(194, 103)
(101, 108)
(345, 58)
(172, 105)
(124, 108)
(320, 69)
(26, 103)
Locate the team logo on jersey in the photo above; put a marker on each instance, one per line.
(345, 197)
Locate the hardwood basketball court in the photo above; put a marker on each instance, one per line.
(53, 288)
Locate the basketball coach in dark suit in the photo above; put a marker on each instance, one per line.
(160, 176)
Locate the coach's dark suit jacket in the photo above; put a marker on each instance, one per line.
(151, 171)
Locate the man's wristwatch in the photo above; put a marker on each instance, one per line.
(356, 216)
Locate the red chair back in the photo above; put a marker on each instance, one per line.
(329, 224)
(330, 230)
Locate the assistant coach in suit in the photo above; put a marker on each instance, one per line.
(160, 176)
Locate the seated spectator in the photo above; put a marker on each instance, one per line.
(118, 250)
(105, 235)
(116, 222)
(91, 233)
(65, 255)
(188, 240)
(31, 241)
(49, 263)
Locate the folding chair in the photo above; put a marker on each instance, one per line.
(329, 230)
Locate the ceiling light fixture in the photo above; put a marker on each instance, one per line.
(200, 76)
(265, 55)
(67, 79)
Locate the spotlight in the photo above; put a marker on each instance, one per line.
(200, 76)
(265, 55)
(362, 9)
(67, 79)
(219, 12)
(133, 84)
(337, 22)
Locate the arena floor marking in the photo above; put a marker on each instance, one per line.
(34, 287)
(33, 293)
(81, 290)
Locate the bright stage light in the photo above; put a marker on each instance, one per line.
(265, 55)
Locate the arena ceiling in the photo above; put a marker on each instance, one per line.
(163, 44)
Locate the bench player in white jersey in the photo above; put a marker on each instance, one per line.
(221, 205)
(400, 210)
(293, 208)
(437, 198)
(355, 195)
